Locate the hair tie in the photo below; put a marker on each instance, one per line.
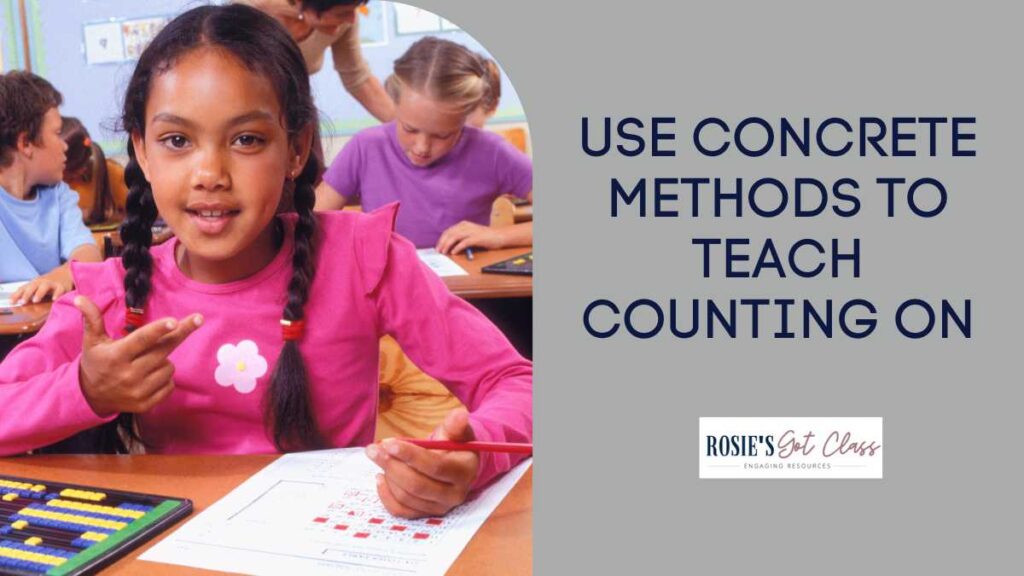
(87, 142)
(133, 319)
(292, 330)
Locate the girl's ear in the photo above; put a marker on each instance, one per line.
(301, 146)
(139, 144)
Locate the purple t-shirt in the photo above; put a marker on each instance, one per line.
(460, 186)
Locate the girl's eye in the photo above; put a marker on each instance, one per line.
(175, 141)
(249, 140)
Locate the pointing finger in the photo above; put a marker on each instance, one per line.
(175, 337)
(145, 338)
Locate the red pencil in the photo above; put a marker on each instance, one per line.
(506, 447)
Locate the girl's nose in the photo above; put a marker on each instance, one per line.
(211, 172)
(421, 146)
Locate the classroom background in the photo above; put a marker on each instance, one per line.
(87, 49)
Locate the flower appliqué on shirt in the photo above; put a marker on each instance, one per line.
(240, 366)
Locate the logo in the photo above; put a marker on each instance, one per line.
(790, 448)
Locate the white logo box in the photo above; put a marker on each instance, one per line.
(839, 447)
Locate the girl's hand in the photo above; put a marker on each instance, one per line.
(131, 374)
(419, 482)
(469, 235)
(54, 283)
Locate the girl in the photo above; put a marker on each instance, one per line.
(242, 335)
(446, 174)
(99, 182)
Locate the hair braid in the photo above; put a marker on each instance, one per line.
(137, 234)
(288, 410)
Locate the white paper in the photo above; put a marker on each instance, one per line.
(439, 263)
(7, 290)
(413, 20)
(373, 28)
(317, 513)
(103, 43)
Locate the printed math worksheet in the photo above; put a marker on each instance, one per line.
(316, 513)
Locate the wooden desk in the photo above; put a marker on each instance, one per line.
(480, 285)
(26, 319)
(503, 546)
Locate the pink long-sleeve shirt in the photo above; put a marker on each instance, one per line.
(368, 282)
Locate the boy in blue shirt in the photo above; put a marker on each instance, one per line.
(41, 228)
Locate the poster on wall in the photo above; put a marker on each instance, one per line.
(372, 19)
(113, 42)
(138, 34)
(413, 20)
(103, 43)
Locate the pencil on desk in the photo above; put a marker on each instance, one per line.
(504, 447)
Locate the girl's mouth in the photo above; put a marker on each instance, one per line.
(211, 222)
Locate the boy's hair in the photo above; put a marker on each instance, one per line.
(87, 157)
(24, 99)
(262, 45)
(320, 6)
(447, 72)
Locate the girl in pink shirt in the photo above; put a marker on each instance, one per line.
(242, 335)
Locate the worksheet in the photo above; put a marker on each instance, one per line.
(317, 513)
(6, 290)
(439, 263)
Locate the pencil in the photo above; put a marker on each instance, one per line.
(504, 447)
(469, 253)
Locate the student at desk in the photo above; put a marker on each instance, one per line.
(41, 227)
(102, 193)
(445, 174)
(253, 331)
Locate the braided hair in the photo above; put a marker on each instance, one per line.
(263, 46)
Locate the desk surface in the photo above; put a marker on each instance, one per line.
(26, 319)
(480, 285)
(504, 545)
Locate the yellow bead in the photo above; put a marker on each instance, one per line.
(19, 525)
(34, 541)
